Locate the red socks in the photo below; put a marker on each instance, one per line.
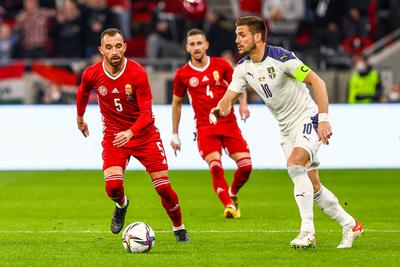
(169, 200)
(241, 175)
(219, 182)
(115, 187)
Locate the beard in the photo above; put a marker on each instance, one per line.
(248, 50)
(115, 61)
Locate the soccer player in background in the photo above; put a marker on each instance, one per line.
(125, 100)
(206, 79)
(280, 79)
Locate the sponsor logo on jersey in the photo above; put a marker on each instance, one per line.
(205, 78)
(193, 81)
(102, 90)
(271, 72)
(115, 91)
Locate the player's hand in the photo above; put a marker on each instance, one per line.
(324, 131)
(122, 138)
(175, 142)
(244, 112)
(82, 126)
(215, 113)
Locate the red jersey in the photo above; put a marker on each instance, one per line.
(205, 87)
(124, 99)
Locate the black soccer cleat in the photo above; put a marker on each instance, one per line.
(181, 235)
(118, 218)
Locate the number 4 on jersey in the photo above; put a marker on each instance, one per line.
(209, 92)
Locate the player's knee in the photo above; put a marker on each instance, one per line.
(296, 170)
(114, 187)
(162, 186)
(216, 169)
(245, 166)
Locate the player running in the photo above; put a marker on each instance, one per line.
(279, 78)
(125, 101)
(206, 79)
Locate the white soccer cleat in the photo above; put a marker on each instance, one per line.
(304, 240)
(351, 234)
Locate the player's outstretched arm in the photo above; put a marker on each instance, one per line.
(224, 106)
(321, 97)
(176, 118)
(243, 107)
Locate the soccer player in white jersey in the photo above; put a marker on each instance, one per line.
(280, 79)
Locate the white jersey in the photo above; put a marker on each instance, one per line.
(278, 79)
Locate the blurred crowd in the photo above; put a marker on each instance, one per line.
(155, 29)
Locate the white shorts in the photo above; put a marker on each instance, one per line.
(303, 135)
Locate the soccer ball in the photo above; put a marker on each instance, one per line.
(138, 237)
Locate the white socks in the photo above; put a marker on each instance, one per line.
(303, 194)
(329, 204)
(123, 204)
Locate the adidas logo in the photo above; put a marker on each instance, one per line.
(115, 91)
(220, 190)
(164, 161)
(204, 79)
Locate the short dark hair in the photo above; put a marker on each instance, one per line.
(111, 32)
(256, 25)
(195, 31)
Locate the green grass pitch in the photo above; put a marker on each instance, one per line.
(61, 218)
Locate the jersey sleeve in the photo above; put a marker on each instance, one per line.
(144, 99)
(228, 71)
(239, 82)
(82, 94)
(179, 88)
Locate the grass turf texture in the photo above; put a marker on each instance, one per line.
(62, 219)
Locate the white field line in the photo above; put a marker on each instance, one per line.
(190, 231)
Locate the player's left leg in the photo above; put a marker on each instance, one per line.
(329, 204)
(170, 202)
(241, 175)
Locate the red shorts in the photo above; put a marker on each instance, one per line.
(148, 149)
(215, 137)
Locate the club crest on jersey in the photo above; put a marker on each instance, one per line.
(216, 76)
(102, 90)
(128, 89)
(271, 72)
(194, 81)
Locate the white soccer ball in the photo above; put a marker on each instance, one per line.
(138, 237)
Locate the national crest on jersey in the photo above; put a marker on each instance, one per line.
(102, 90)
(194, 81)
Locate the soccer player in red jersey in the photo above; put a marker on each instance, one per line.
(206, 79)
(125, 101)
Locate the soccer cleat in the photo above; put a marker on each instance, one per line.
(181, 235)
(304, 240)
(231, 212)
(235, 201)
(351, 234)
(118, 218)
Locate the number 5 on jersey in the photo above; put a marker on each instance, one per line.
(117, 104)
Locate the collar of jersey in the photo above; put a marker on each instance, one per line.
(116, 76)
(200, 69)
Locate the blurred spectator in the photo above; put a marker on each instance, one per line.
(220, 32)
(228, 56)
(388, 16)
(98, 17)
(165, 39)
(327, 23)
(32, 23)
(52, 94)
(356, 18)
(7, 43)
(394, 94)
(283, 18)
(194, 12)
(68, 31)
(365, 84)
(122, 14)
(250, 7)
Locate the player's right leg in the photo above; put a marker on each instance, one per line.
(220, 185)
(303, 194)
(114, 162)
(114, 180)
(241, 175)
(329, 204)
